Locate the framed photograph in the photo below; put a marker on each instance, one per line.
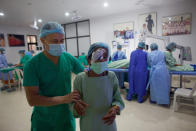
(177, 25)
(16, 40)
(2, 40)
(148, 23)
(124, 30)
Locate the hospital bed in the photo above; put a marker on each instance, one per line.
(180, 73)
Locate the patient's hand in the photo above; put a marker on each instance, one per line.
(80, 107)
(111, 115)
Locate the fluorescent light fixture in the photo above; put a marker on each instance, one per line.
(39, 20)
(67, 14)
(2, 14)
(105, 4)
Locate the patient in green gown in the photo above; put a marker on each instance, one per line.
(171, 61)
(99, 89)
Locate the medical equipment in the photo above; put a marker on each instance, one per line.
(185, 53)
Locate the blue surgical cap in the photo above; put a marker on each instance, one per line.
(141, 45)
(171, 46)
(50, 28)
(2, 49)
(154, 46)
(21, 51)
(98, 45)
(119, 46)
(83, 53)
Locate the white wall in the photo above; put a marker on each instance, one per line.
(12, 52)
(102, 27)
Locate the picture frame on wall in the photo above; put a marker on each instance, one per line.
(2, 40)
(148, 23)
(15, 40)
(123, 32)
(177, 25)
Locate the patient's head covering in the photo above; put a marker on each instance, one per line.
(141, 45)
(154, 46)
(94, 46)
(50, 28)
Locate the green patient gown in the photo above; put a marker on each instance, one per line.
(52, 80)
(101, 93)
(171, 61)
(119, 64)
(24, 59)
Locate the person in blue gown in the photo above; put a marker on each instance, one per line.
(119, 55)
(3, 64)
(159, 77)
(30, 53)
(138, 74)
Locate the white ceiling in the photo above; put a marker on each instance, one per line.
(23, 12)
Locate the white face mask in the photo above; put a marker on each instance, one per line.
(56, 49)
(99, 67)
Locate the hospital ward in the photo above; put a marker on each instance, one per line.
(97, 65)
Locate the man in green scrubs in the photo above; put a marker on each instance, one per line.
(83, 60)
(47, 82)
(23, 58)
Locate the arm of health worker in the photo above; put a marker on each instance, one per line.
(34, 99)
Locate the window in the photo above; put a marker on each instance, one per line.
(32, 42)
(77, 36)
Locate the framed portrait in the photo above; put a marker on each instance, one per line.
(148, 23)
(2, 40)
(177, 25)
(16, 40)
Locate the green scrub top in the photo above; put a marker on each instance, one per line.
(171, 61)
(52, 80)
(24, 59)
(83, 60)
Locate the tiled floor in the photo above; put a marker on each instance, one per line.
(15, 115)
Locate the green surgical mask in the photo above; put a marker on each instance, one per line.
(99, 67)
(174, 50)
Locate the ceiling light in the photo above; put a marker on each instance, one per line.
(39, 20)
(67, 14)
(105, 4)
(2, 14)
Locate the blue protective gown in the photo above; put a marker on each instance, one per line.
(138, 75)
(3, 64)
(119, 55)
(159, 78)
(29, 54)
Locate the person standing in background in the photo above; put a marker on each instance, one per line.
(119, 55)
(138, 73)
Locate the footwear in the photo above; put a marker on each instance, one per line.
(11, 89)
(129, 98)
(4, 88)
(152, 102)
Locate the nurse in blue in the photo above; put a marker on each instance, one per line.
(4, 64)
(119, 55)
(159, 77)
(138, 73)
